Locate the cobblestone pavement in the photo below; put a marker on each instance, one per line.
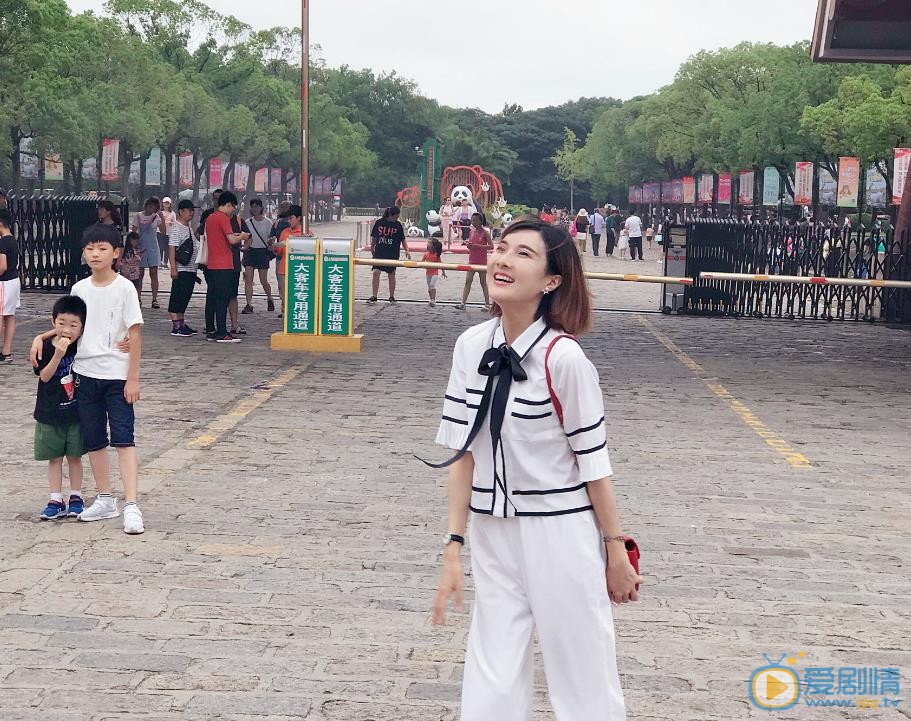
(292, 540)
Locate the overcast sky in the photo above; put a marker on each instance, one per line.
(485, 53)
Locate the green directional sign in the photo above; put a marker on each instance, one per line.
(300, 293)
(336, 288)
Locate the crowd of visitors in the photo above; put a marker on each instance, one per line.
(620, 233)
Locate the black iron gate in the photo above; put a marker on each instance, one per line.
(806, 249)
(48, 230)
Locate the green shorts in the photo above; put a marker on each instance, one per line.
(58, 441)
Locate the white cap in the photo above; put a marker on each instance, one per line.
(166, 200)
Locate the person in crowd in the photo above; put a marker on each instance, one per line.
(258, 254)
(149, 224)
(633, 226)
(649, 232)
(433, 255)
(57, 432)
(238, 226)
(596, 227)
(283, 219)
(387, 239)
(580, 230)
(479, 243)
(294, 215)
(531, 464)
(108, 376)
(183, 248)
(464, 220)
(10, 285)
(169, 217)
(222, 279)
(4, 201)
(623, 243)
(130, 263)
(547, 216)
(446, 211)
(611, 229)
(108, 214)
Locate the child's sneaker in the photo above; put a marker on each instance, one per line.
(102, 507)
(54, 510)
(132, 519)
(77, 505)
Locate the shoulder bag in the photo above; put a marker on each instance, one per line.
(184, 253)
(632, 548)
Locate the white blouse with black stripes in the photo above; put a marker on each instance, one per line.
(541, 467)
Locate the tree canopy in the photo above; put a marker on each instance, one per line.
(184, 77)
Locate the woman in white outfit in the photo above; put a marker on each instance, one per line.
(524, 410)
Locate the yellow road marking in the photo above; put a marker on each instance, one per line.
(225, 422)
(772, 439)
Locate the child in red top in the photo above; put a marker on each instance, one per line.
(479, 243)
(433, 255)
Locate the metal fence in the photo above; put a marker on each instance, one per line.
(800, 250)
(48, 230)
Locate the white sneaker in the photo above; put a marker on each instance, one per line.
(102, 507)
(132, 519)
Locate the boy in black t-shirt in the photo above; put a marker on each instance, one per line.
(57, 434)
(387, 239)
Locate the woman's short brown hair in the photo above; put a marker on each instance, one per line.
(569, 306)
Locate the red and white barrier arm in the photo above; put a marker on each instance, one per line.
(622, 277)
(807, 280)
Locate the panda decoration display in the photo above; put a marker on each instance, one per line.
(433, 224)
(414, 232)
(463, 192)
(507, 219)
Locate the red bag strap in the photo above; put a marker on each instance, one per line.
(550, 388)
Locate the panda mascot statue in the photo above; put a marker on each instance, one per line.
(460, 193)
(434, 224)
(414, 232)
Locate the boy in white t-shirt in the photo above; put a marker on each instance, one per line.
(107, 376)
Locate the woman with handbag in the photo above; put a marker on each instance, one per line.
(524, 411)
(258, 254)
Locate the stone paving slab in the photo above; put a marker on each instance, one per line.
(289, 564)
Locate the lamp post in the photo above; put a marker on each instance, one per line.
(305, 114)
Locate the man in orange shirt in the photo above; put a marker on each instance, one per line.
(220, 237)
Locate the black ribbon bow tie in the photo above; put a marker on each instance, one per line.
(501, 365)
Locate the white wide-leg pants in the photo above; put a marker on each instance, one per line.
(544, 573)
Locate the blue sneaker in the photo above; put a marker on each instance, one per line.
(77, 505)
(189, 330)
(54, 510)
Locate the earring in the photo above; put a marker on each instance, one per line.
(546, 291)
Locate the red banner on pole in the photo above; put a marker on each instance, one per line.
(724, 188)
(803, 184)
(689, 190)
(214, 172)
(848, 181)
(110, 151)
(745, 187)
(185, 170)
(899, 173)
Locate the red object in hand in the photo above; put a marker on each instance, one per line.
(632, 550)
